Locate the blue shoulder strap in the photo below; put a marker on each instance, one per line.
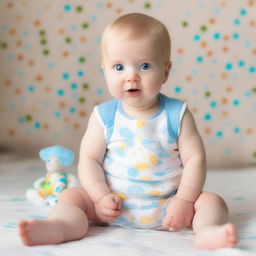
(107, 111)
(175, 110)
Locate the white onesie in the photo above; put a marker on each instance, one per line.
(142, 162)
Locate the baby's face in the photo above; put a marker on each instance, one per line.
(134, 69)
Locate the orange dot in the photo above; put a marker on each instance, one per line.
(18, 91)
(31, 63)
(249, 131)
(223, 4)
(62, 31)
(250, 3)
(252, 23)
(209, 53)
(9, 5)
(203, 44)
(189, 78)
(224, 75)
(11, 132)
(224, 101)
(254, 51)
(47, 88)
(7, 82)
(65, 54)
(62, 104)
(66, 119)
(229, 89)
(119, 10)
(37, 23)
(82, 113)
(212, 20)
(20, 57)
(225, 113)
(12, 31)
(19, 43)
(224, 48)
(180, 51)
(225, 37)
(45, 126)
(109, 5)
(194, 110)
(77, 126)
(83, 39)
(207, 130)
(39, 78)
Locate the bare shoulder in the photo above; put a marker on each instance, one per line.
(93, 143)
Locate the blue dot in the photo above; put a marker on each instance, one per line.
(207, 117)
(65, 76)
(216, 36)
(51, 65)
(178, 89)
(67, 8)
(235, 36)
(219, 134)
(243, 12)
(241, 63)
(133, 172)
(31, 88)
(26, 33)
(251, 69)
(80, 73)
(72, 110)
(100, 92)
(73, 27)
(73, 86)
(237, 22)
(229, 66)
(37, 125)
(200, 59)
(236, 102)
(213, 104)
(21, 120)
(57, 114)
(197, 37)
(237, 130)
(60, 92)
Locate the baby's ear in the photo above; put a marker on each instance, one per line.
(168, 66)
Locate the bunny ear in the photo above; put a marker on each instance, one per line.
(63, 155)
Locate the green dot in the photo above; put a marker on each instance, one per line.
(3, 45)
(81, 100)
(79, 8)
(28, 118)
(207, 94)
(46, 52)
(86, 86)
(68, 40)
(43, 42)
(254, 154)
(254, 90)
(82, 59)
(203, 28)
(85, 25)
(42, 32)
(147, 5)
(184, 24)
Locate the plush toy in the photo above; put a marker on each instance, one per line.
(47, 188)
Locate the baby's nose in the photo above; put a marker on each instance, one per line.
(132, 76)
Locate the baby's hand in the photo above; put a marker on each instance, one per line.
(179, 214)
(108, 208)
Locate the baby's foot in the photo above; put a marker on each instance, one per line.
(216, 237)
(36, 232)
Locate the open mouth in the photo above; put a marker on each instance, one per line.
(133, 90)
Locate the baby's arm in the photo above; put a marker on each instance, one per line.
(91, 174)
(193, 176)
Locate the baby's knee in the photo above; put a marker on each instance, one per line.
(69, 195)
(212, 198)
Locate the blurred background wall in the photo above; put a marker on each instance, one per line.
(50, 75)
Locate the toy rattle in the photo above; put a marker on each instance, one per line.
(47, 188)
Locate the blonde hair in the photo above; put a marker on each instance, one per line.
(138, 25)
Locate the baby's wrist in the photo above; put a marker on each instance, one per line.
(188, 194)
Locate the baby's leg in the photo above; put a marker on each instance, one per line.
(211, 225)
(67, 221)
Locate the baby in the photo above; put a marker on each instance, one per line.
(142, 161)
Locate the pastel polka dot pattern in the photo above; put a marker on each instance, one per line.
(50, 76)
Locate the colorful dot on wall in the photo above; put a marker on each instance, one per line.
(147, 5)
(207, 117)
(203, 28)
(60, 92)
(184, 24)
(81, 100)
(85, 25)
(73, 86)
(67, 8)
(85, 86)
(79, 8)
(66, 76)
(219, 134)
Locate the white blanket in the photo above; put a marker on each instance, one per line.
(237, 187)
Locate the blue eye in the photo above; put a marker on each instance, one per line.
(119, 67)
(145, 66)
